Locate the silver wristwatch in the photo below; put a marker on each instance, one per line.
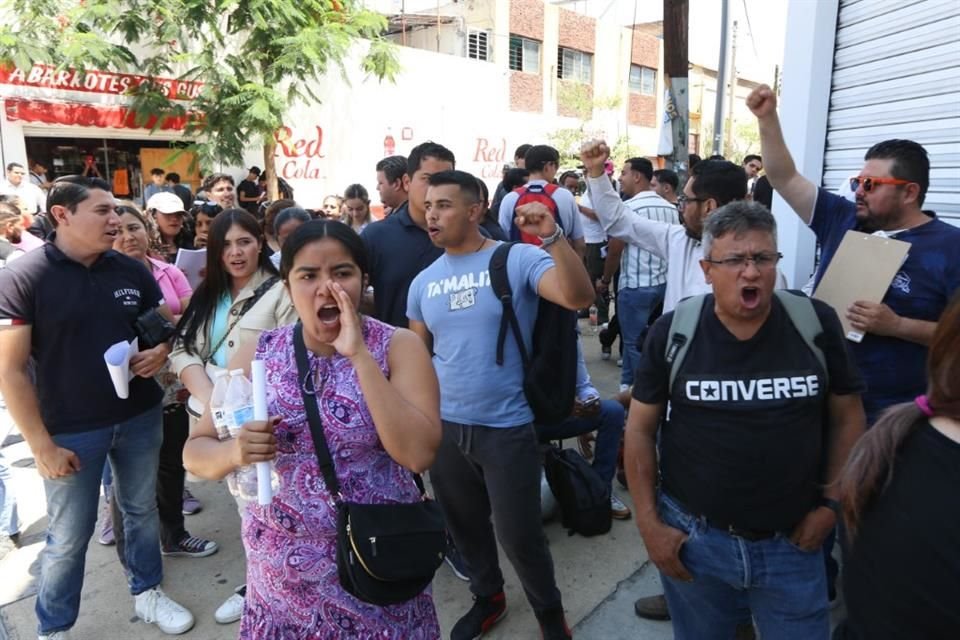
(553, 237)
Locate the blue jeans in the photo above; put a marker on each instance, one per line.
(585, 386)
(132, 447)
(609, 427)
(633, 310)
(9, 523)
(784, 587)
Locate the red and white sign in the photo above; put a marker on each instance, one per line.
(48, 77)
(83, 115)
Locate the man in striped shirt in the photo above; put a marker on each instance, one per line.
(643, 275)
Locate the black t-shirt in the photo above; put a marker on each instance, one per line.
(183, 192)
(901, 578)
(75, 314)
(249, 189)
(744, 443)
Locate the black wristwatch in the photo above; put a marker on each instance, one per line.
(831, 504)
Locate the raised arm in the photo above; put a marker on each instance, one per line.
(619, 221)
(800, 193)
(567, 283)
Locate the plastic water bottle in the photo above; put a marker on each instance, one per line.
(217, 397)
(238, 410)
(593, 319)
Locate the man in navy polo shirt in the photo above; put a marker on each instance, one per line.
(64, 305)
(399, 248)
(889, 194)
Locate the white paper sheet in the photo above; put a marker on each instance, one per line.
(192, 262)
(117, 358)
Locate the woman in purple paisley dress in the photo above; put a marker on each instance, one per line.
(379, 401)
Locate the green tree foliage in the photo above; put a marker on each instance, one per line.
(253, 58)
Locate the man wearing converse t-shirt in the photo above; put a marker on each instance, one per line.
(735, 492)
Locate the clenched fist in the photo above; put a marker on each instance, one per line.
(762, 101)
(593, 155)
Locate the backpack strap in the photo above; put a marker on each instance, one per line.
(500, 283)
(683, 326)
(804, 317)
(550, 189)
(686, 318)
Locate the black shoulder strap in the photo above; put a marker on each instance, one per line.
(313, 414)
(500, 282)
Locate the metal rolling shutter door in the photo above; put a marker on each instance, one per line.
(896, 74)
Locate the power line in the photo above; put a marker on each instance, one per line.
(753, 43)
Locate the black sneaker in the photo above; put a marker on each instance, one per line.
(484, 613)
(553, 625)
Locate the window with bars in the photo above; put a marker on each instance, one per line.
(524, 55)
(574, 65)
(478, 44)
(643, 80)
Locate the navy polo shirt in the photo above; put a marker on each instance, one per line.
(397, 250)
(895, 369)
(76, 313)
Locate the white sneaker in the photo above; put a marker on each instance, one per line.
(56, 635)
(156, 607)
(618, 510)
(230, 610)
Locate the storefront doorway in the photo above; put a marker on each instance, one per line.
(124, 163)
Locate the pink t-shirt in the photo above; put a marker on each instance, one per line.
(172, 283)
(29, 242)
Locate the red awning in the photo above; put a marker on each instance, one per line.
(83, 115)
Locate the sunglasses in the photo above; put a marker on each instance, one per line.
(869, 183)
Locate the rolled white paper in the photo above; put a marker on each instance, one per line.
(259, 374)
(117, 358)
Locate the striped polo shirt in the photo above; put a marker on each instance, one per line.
(638, 267)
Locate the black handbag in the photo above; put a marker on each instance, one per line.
(153, 329)
(386, 553)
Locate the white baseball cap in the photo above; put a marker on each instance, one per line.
(165, 202)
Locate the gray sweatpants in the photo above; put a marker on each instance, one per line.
(483, 471)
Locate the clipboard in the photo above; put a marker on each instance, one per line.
(862, 269)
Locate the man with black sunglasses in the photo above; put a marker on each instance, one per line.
(889, 194)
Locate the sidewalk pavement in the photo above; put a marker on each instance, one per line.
(599, 577)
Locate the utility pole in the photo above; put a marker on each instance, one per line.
(733, 90)
(721, 78)
(676, 80)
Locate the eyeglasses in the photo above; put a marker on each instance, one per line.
(682, 201)
(761, 261)
(869, 183)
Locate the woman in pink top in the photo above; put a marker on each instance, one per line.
(133, 239)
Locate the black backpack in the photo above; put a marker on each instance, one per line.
(550, 372)
(584, 498)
